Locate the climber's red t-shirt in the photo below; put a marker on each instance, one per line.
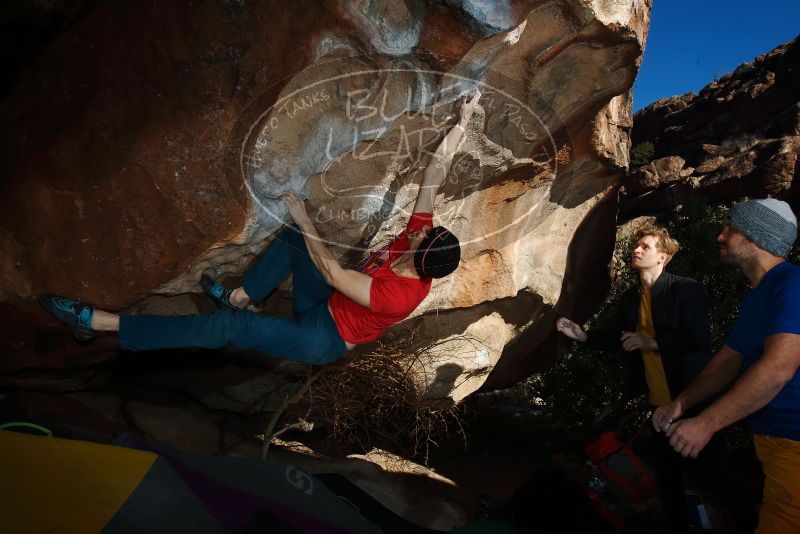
(392, 298)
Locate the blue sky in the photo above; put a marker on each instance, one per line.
(692, 41)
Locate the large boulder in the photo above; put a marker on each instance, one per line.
(146, 143)
(656, 174)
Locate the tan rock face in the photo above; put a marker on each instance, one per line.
(738, 137)
(167, 161)
(655, 174)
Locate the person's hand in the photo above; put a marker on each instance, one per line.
(689, 436)
(570, 329)
(633, 341)
(296, 207)
(666, 414)
(468, 106)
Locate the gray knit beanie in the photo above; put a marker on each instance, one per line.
(767, 222)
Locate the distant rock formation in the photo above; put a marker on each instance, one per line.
(739, 137)
(146, 143)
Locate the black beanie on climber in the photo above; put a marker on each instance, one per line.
(438, 255)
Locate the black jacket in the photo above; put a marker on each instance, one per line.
(679, 307)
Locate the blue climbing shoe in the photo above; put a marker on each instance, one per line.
(218, 293)
(75, 313)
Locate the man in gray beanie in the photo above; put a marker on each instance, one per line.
(768, 223)
(763, 351)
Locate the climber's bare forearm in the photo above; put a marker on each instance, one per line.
(352, 284)
(439, 166)
(437, 170)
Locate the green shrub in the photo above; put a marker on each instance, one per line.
(642, 154)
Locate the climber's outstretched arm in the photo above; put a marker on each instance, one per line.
(439, 165)
(353, 284)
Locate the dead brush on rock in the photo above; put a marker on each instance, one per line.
(371, 400)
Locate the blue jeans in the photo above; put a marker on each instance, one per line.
(310, 337)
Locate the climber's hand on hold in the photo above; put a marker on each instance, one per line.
(297, 208)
